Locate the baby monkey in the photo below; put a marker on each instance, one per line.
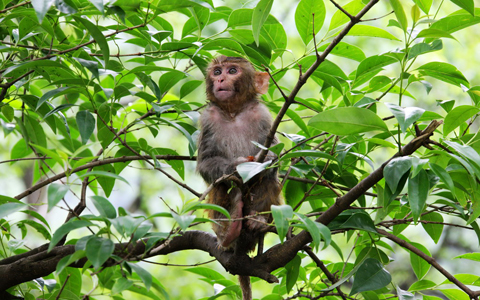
(233, 118)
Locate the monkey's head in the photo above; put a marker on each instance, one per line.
(232, 82)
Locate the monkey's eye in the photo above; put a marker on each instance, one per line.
(232, 71)
(217, 72)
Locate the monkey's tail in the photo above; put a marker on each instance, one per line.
(246, 287)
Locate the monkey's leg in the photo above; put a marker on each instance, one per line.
(234, 228)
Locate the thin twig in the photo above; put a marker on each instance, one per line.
(342, 10)
(429, 260)
(14, 6)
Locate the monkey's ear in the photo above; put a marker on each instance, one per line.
(261, 82)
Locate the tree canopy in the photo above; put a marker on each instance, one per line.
(379, 154)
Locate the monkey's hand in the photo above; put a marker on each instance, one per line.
(257, 222)
(270, 156)
(241, 160)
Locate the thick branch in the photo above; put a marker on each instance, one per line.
(38, 262)
(279, 255)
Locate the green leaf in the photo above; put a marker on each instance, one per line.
(200, 17)
(33, 64)
(127, 225)
(9, 208)
(453, 294)
(307, 153)
(404, 295)
(339, 17)
(85, 124)
(422, 48)
(169, 79)
(417, 165)
(143, 274)
(475, 208)
(419, 265)
(67, 228)
(371, 31)
(405, 116)
(206, 273)
(418, 187)
(183, 220)
(422, 285)
(50, 95)
(424, 5)
(370, 276)
(455, 22)
(104, 174)
(223, 43)
(199, 205)
(395, 170)
(400, 14)
(444, 72)
(433, 230)
(58, 109)
(311, 228)
(281, 214)
(249, 169)
(71, 279)
(189, 87)
(104, 207)
(347, 120)
(293, 269)
(121, 284)
(98, 250)
(260, 14)
(98, 4)
(475, 256)
(298, 121)
(325, 233)
(69, 259)
(458, 116)
(33, 132)
(96, 33)
(465, 151)
(55, 193)
(425, 297)
(309, 13)
(372, 64)
(353, 219)
(435, 34)
(179, 127)
(444, 177)
(41, 8)
(53, 155)
(345, 50)
(106, 182)
(467, 5)
(91, 65)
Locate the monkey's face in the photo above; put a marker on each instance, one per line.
(224, 77)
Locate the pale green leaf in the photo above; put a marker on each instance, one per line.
(260, 14)
(347, 121)
(309, 13)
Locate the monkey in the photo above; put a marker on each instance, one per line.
(233, 118)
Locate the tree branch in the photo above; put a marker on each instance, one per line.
(97, 163)
(303, 78)
(430, 260)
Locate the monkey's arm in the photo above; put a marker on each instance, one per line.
(212, 161)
